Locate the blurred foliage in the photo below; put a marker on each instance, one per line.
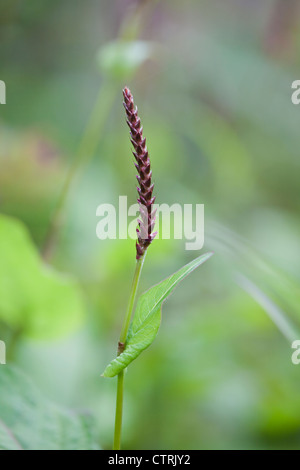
(215, 100)
(33, 298)
(29, 422)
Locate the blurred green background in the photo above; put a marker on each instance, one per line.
(212, 80)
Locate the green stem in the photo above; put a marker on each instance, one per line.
(135, 283)
(123, 336)
(119, 412)
(86, 150)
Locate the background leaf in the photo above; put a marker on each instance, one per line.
(147, 317)
(29, 422)
(33, 297)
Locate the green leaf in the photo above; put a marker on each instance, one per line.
(120, 59)
(33, 297)
(147, 317)
(29, 422)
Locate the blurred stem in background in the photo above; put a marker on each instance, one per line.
(129, 31)
(133, 23)
(123, 336)
(86, 150)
